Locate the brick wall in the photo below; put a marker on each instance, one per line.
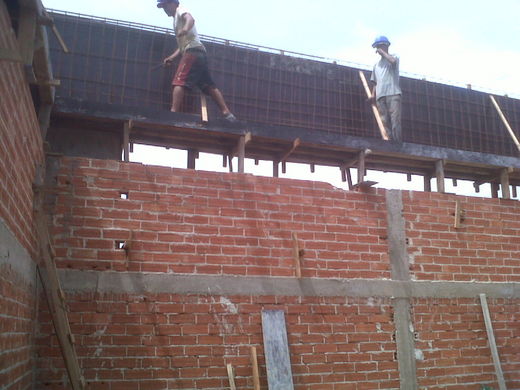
(184, 342)
(20, 150)
(454, 352)
(486, 248)
(192, 222)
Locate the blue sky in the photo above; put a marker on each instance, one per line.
(459, 41)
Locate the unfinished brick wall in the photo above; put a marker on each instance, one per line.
(199, 223)
(485, 248)
(20, 151)
(194, 222)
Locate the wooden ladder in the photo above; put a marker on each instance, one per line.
(55, 296)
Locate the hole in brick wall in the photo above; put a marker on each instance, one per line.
(120, 245)
(393, 336)
(395, 356)
(124, 195)
(416, 336)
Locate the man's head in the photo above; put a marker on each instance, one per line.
(169, 6)
(381, 42)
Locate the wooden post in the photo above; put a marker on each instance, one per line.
(379, 121)
(458, 214)
(504, 183)
(439, 174)
(313, 168)
(254, 363)
(427, 183)
(492, 343)
(361, 167)
(515, 193)
(231, 376)
(241, 153)
(494, 190)
(203, 107)
(192, 157)
(275, 168)
(506, 123)
(296, 256)
(126, 141)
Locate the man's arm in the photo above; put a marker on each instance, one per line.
(170, 58)
(389, 58)
(188, 25)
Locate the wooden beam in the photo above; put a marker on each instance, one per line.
(313, 168)
(203, 108)
(241, 154)
(296, 256)
(361, 167)
(275, 168)
(492, 342)
(192, 158)
(254, 363)
(427, 183)
(494, 190)
(439, 174)
(506, 123)
(231, 376)
(515, 193)
(504, 183)
(295, 145)
(126, 140)
(379, 121)
(355, 161)
(459, 215)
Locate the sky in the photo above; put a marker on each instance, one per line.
(456, 42)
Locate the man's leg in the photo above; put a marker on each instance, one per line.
(215, 93)
(382, 107)
(177, 98)
(395, 115)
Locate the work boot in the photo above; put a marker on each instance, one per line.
(230, 117)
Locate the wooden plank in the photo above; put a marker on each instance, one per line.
(364, 185)
(275, 169)
(203, 107)
(494, 190)
(506, 123)
(379, 121)
(241, 153)
(276, 347)
(427, 183)
(296, 256)
(295, 145)
(192, 158)
(361, 167)
(504, 184)
(231, 376)
(51, 283)
(126, 141)
(492, 343)
(254, 363)
(439, 174)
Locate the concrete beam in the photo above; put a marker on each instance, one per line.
(77, 281)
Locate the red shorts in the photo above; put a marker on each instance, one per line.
(193, 71)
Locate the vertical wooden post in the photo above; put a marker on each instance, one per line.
(439, 174)
(427, 183)
(241, 153)
(231, 376)
(254, 363)
(203, 107)
(361, 167)
(126, 142)
(494, 190)
(296, 256)
(504, 183)
(192, 157)
(313, 168)
(275, 168)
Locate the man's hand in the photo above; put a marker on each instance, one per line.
(168, 60)
(371, 100)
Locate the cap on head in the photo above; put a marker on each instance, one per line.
(162, 3)
(381, 40)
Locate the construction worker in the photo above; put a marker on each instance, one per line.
(386, 90)
(193, 67)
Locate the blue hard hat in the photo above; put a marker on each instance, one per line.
(381, 40)
(161, 3)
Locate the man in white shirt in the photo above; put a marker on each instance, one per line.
(386, 91)
(193, 68)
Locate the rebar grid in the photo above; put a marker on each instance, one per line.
(117, 62)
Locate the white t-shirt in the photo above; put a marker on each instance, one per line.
(191, 39)
(386, 77)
